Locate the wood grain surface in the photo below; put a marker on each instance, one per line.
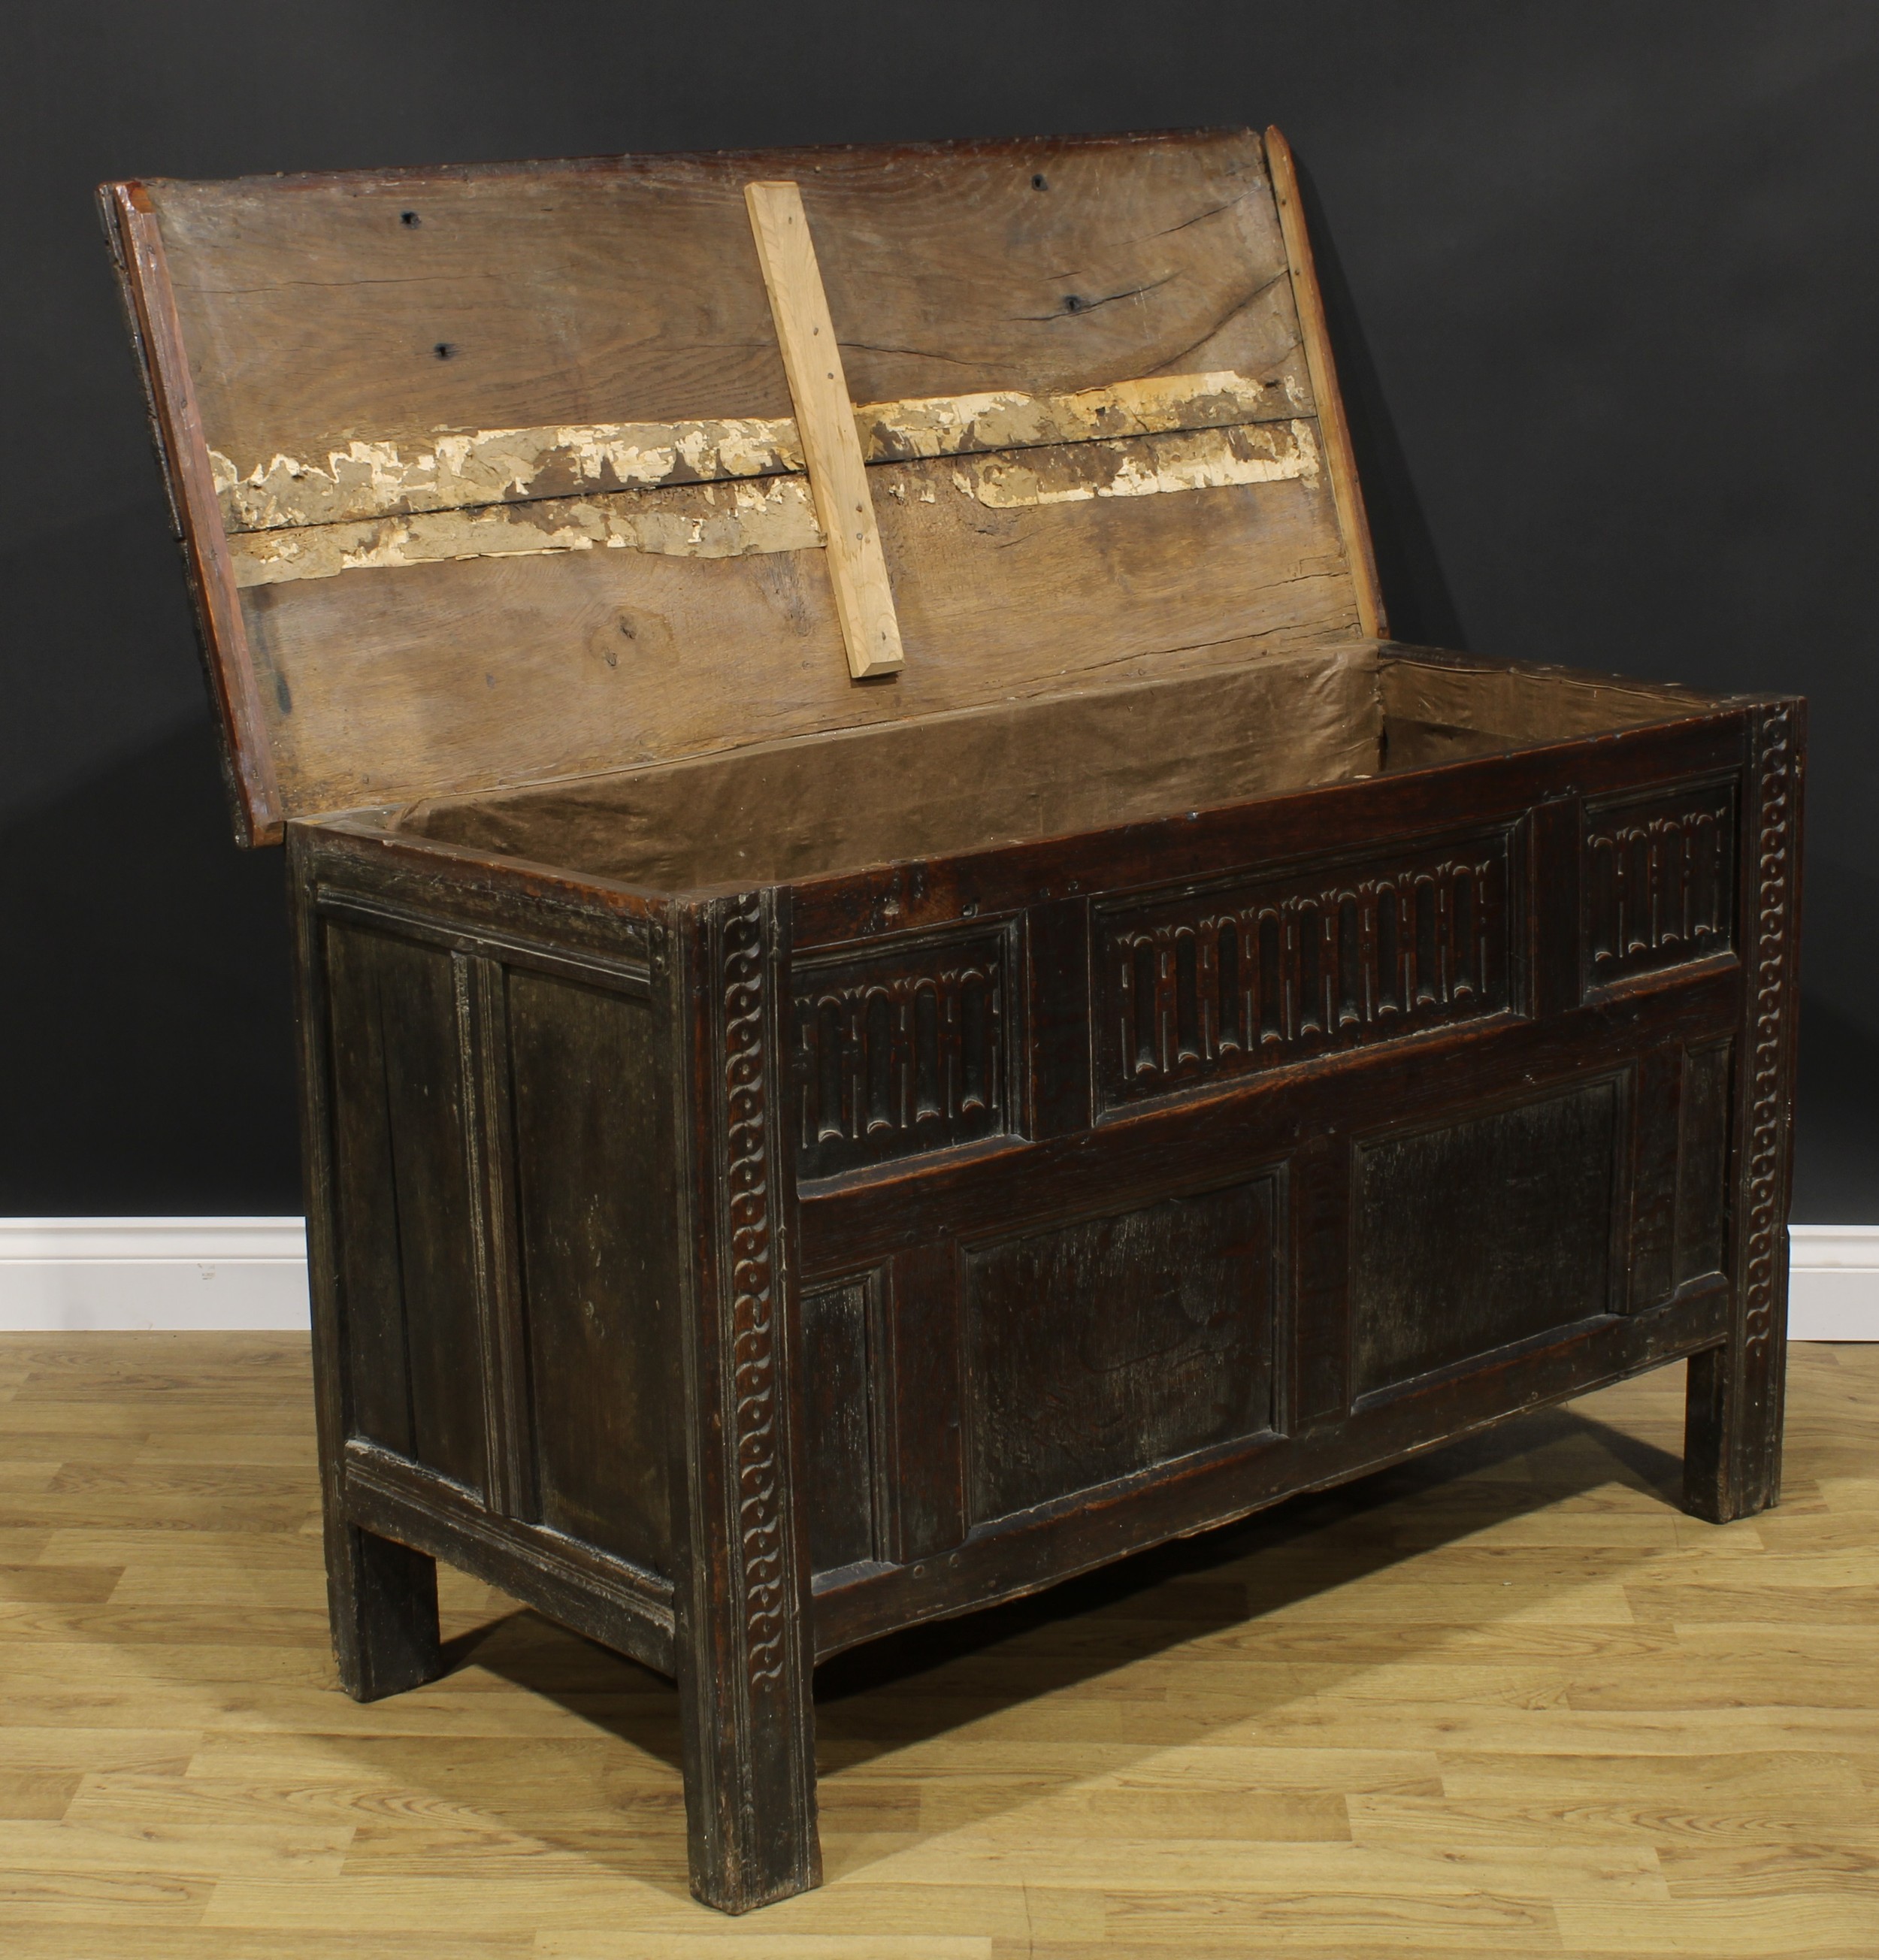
(1511, 1700)
(484, 296)
(518, 316)
(1315, 332)
(501, 671)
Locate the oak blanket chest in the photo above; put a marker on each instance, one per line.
(902, 993)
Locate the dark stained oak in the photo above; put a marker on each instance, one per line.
(791, 1159)
(1104, 1348)
(1488, 1215)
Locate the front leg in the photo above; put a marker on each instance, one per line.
(1733, 1426)
(747, 1735)
(744, 1640)
(1732, 1433)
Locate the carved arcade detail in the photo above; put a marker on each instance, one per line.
(901, 1051)
(1327, 957)
(1657, 876)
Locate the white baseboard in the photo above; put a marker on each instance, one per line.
(125, 1275)
(1833, 1282)
(128, 1275)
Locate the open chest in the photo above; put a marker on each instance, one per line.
(902, 994)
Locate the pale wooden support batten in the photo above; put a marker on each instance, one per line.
(825, 422)
(1341, 461)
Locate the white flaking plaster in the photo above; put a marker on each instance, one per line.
(377, 479)
(1146, 466)
(706, 520)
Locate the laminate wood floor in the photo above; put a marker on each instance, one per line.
(1509, 1700)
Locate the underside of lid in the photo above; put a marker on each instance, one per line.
(492, 475)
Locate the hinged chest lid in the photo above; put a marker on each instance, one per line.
(493, 475)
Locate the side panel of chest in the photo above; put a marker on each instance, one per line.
(491, 1137)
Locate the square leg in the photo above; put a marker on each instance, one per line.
(1733, 1423)
(1732, 1432)
(743, 1635)
(382, 1597)
(747, 1730)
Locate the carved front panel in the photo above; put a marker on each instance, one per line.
(1658, 872)
(1096, 1349)
(902, 1051)
(1477, 1234)
(1328, 956)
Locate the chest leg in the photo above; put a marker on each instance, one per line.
(382, 1600)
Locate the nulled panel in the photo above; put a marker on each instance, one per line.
(1210, 984)
(1482, 1232)
(1110, 1345)
(1657, 879)
(594, 1257)
(407, 1260)
(390, 305)
(906, 1050)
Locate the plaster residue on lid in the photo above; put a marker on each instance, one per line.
(733, 520)
(964, 425)
(1144, 465)
(379, 479)
(373, 479)
(706, 521)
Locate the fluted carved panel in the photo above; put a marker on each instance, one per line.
(1319, 959)
(1659, 873)
(902, 1051)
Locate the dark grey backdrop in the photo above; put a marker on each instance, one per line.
(1606, 278)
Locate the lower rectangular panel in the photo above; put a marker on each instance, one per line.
(1702, 1174)
(1028, 1553)
(405, 1249)
(1473, 1235)
(1103, 1347)
(840, 1457)
(592, 1225)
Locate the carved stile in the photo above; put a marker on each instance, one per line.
(1732, 1451)
(770, 1848)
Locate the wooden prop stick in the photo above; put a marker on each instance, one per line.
(825, 425)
